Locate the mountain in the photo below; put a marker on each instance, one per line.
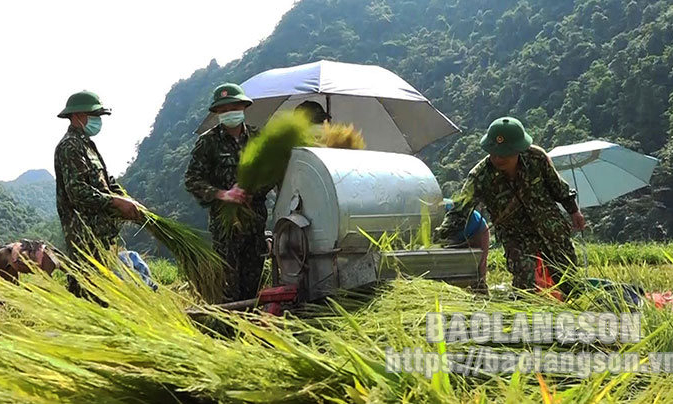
(34, 188)
(570, 70)
(32, 176)
(28, 208)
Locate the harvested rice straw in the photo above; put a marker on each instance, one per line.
(200, 264)
(340, 136)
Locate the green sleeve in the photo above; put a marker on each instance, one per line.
(115, 187)
(558, 188)
(78, 186)
(196, 177)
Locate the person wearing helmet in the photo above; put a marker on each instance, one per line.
(314, 111)
(90, 203)
(211, 178)
(521, 190)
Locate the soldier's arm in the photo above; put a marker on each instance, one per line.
(115, 187)
(557, 186)
(77, 184)
(455, 221)
(197, 173)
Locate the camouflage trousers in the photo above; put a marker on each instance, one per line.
(522, 259)
(244, 255)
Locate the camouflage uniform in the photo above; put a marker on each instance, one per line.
(213, 167)
(524, 213)
(84, 201)
(84, 192)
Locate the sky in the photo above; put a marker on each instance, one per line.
(128, 52)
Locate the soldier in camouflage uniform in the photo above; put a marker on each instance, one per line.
(520, 188)
(89, 201)
(211, 178)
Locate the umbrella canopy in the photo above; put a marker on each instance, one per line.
(601, 171)
(392, 115)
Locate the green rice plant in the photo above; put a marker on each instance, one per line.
(628, 253)
(264, 159)
(143, 348)
(199, 263)
(263, 163)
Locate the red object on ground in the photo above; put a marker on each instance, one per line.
(543, 279)
(661, 300)
(272, 298)
(286, 293)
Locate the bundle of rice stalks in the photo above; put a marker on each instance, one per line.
(263, 163)
(340, 136)
(199, 263)
(265, 157)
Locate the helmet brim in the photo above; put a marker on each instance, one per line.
(506, 149)
(241, 99)
(96, 110)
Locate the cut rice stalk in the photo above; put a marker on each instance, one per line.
(200, 264)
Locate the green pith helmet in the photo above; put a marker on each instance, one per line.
(229, 93)
(84, 101)
(505, 137)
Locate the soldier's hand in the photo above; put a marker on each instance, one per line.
(243, 193)
(128, 208)
(230, 196)
(578, 221)
(233, 195)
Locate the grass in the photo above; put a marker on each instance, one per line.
(143, 348)
(164, 271)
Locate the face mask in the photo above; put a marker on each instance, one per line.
(93, 125)
(231, 119)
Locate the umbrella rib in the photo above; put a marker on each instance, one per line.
(590, 186)
(392, 118)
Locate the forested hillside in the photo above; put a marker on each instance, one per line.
(34, 188)
(15, 219)
(28, 209)
(570, 70)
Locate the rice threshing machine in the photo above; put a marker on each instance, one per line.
(332, 203)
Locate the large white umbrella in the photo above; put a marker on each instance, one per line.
(392, 115)
(602, 171)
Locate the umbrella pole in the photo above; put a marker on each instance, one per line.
(584, 243)
(328, 102)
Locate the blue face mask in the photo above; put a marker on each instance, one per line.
(231, 119)
(93, 125)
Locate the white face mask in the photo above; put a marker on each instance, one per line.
(231, 119)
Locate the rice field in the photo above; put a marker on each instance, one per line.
(143, 348)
